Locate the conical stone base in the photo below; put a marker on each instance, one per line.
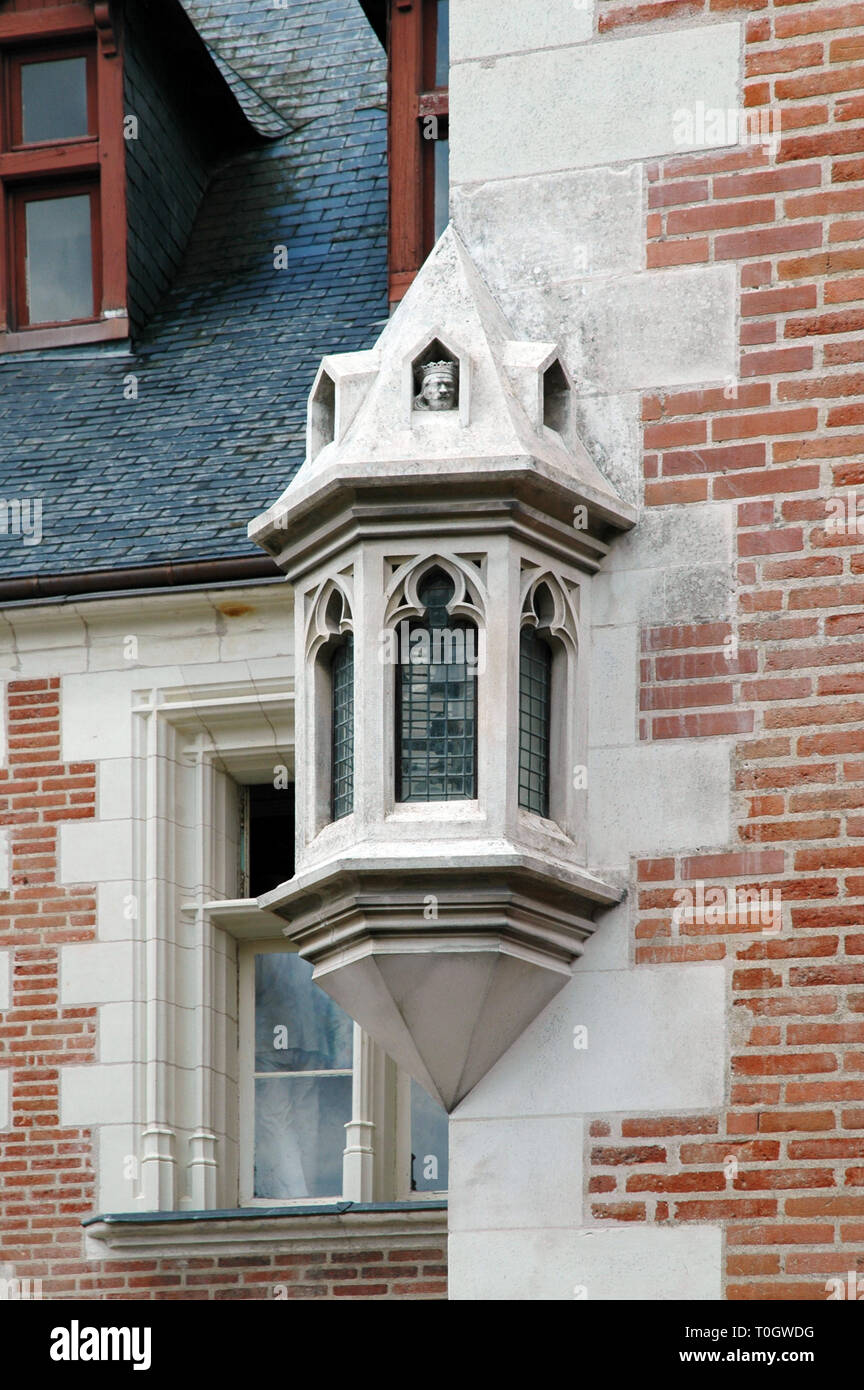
(445, 999)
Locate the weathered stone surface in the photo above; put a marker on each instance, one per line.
(611, 1265)
(479, 28)
(553, 228)
(573, 107)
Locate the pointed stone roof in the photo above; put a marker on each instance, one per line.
(362, 424)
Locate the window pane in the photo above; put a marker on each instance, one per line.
(442, 44)
(342, 752)
(297, 1026)
(442, 185)
(437, 703)
(54, 99)
(535, 690)
(429, 1142)
(300, 1135)
(59, 259)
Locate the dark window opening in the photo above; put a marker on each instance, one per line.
(270, 837)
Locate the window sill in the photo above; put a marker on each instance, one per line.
(67, 335)
(335, 1226)
(241, 918)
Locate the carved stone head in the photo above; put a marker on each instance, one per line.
(439, 386)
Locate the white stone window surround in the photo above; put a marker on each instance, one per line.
(191, 746)
(209, 738)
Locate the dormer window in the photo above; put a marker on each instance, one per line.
(419, 106)
(62, 203)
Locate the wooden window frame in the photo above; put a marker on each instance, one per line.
(95, 163)
(17, 58)
(412, 97)
(20, 196)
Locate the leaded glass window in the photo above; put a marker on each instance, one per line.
(535, 690)
(342, 752)
(437, 703)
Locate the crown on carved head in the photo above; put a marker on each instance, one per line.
(446, 368)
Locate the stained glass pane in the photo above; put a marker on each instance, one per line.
(535, 689)
(342, 753)
(437, 703)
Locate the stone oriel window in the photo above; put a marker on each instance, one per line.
(419, 61)
(62, 181)
(342, 718)
(436, 701)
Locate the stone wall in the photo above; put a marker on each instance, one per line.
(706, 1070)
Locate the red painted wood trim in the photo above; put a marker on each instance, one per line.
(405, 156)
(38, 161)
(40, 24)
(67, 335)
(435, 103)
(412, 96)
(112, 160)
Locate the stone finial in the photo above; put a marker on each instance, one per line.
(439, 386)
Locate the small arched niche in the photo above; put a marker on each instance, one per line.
(321, 422)
(557, 395)
(437, 382)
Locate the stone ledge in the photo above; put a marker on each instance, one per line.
(269, 1230)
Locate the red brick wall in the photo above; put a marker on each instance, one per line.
(784, 681)
(47, 1179)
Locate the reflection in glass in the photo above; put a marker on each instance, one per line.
(442, 184)
(303, 1059)
(300, 1135)
(54, 100)
(297, 1026)
(59, 259)
(429, 1143)
(442, 44)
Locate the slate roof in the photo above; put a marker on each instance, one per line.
(225, 366)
